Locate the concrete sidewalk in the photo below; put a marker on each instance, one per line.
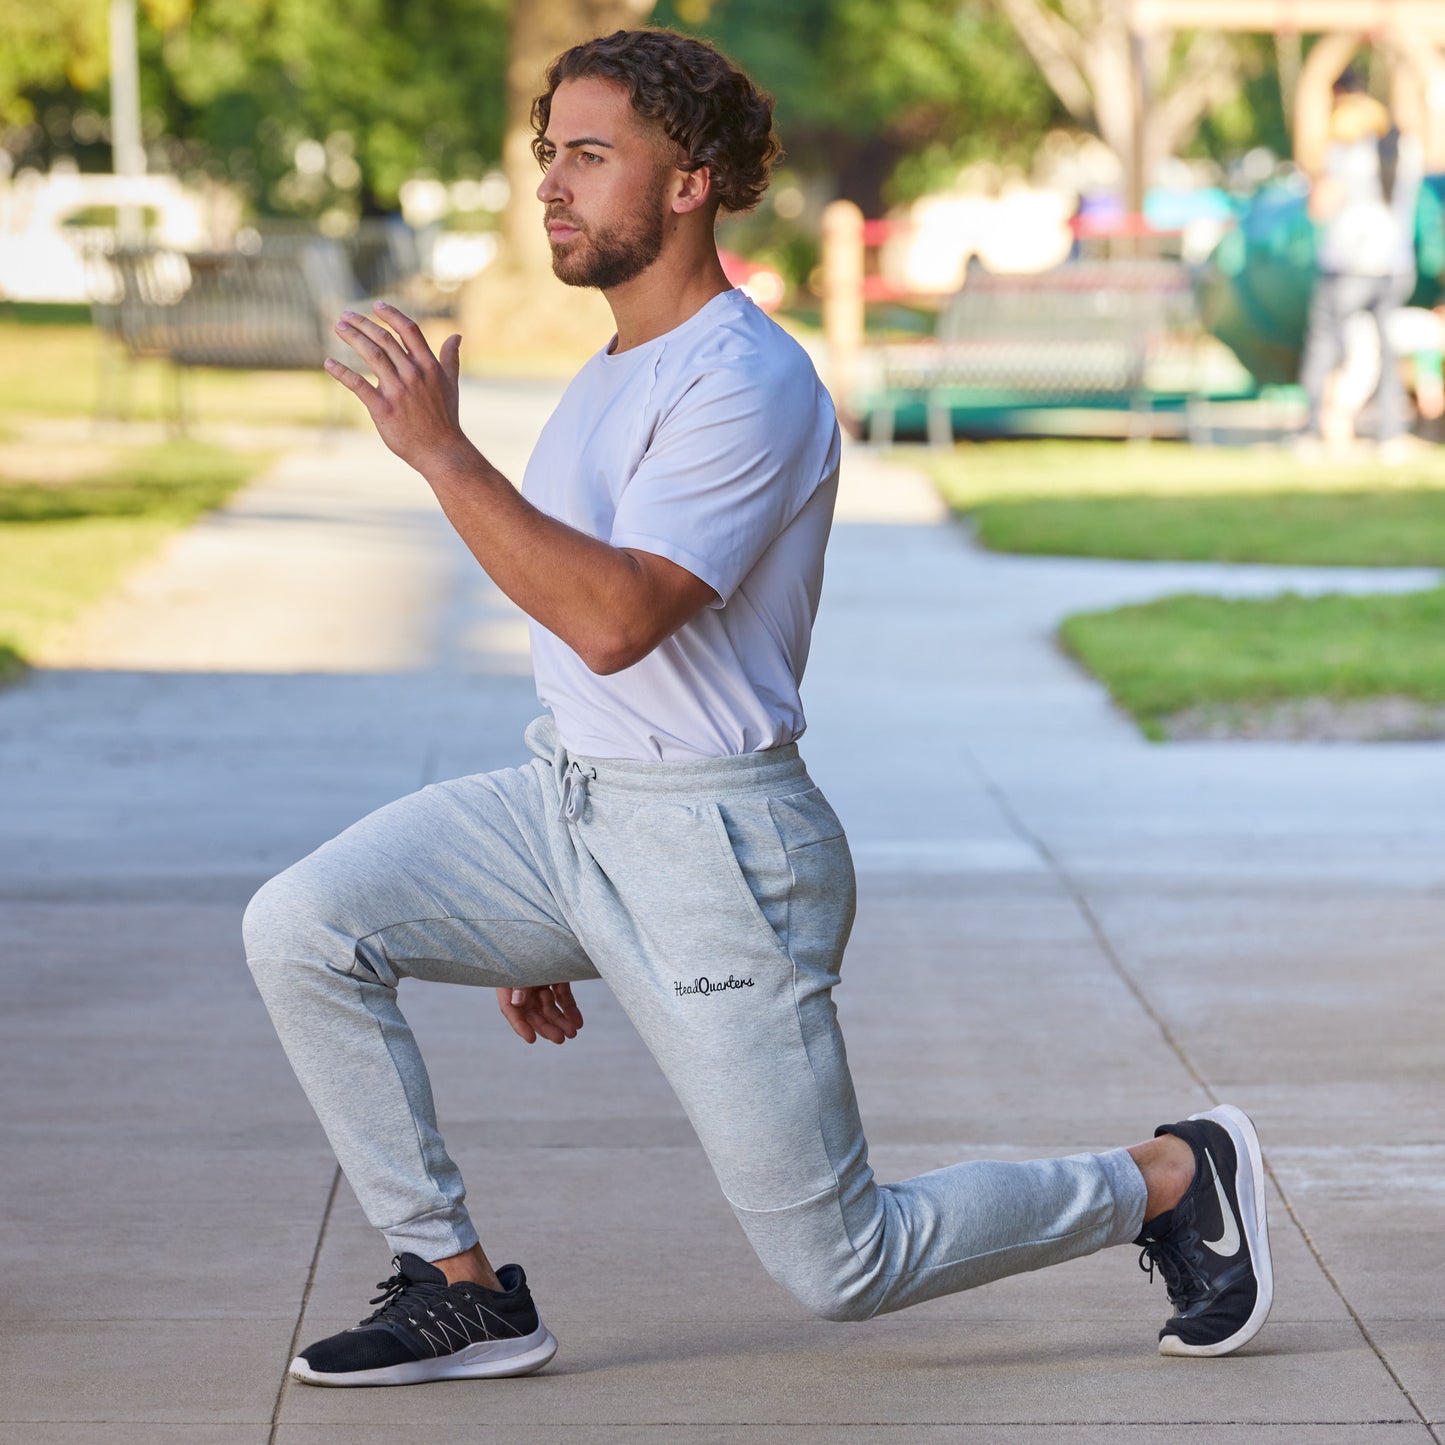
(1066, 936)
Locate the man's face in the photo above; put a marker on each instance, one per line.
(605, 189)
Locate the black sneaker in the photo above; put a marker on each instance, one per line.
(1213, 1247)
(427, 1329)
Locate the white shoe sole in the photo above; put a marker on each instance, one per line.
(1249, 1190)
(486, 1360)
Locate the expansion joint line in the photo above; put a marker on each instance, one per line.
(305, 1301)
(431, 756)
(1105, 944)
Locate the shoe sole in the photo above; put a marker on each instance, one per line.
(1249, 1190)
(486, 1360)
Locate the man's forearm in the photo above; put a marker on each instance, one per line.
(592, 595)
(611, 606)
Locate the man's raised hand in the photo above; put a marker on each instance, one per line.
(414, 401)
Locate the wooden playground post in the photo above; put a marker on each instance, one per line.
(843, 299)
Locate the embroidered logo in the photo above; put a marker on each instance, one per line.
(707, 985)
(1227, 1245)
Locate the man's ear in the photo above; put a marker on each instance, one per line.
(693, 190)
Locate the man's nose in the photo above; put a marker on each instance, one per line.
(551, 187)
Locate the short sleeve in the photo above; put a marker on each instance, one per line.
(730, 465)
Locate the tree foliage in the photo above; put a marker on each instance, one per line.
(1095, 65)
(390, 88)
(307, 105)
(862, 86)
(386, 88)
(43, 47)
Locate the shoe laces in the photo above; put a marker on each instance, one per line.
(1177, 1255)
(402, 1298)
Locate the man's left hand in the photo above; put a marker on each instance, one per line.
(548, 1012)
(414, 402)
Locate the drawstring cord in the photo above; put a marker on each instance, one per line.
(574, 792)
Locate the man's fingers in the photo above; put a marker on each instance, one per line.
(548, 1019)
(513, 1014)
(562, 992)
(411, 334)
(377, 345)
(349, 379)
(561, 1009)
(451, 357)
(547, 1012)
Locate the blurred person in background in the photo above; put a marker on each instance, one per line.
(1417, 337)
(1363, 201)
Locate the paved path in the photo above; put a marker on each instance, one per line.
(1066, 936)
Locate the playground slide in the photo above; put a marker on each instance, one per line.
(1254, 290)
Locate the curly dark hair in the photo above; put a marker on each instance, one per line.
(703, 103)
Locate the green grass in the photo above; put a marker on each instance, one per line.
(45, 313)
(63, 547)
(1195, 504)
(1181, 652)
(1175, 503)
(1362, 528)
(175, 482)
(49, 368)
(988, 471)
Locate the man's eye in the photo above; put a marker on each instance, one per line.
(545, 159)
(591, 157)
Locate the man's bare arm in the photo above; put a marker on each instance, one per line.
(611, 605)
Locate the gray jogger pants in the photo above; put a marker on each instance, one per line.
(714, 898)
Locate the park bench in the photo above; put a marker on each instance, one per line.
(1080, 335)
(267, 309)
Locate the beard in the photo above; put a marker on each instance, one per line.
(607, 258)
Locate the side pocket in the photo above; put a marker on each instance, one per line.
(752, 855)
(822, 894)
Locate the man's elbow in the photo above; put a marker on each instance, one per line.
(604, 664)
(609, 654)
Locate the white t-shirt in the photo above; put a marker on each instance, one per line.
(715, 446)
(1368, 235)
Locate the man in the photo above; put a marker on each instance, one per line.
(666, 837)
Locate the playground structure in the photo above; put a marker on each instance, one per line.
(993, 367)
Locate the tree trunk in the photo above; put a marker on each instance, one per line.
(516, 308)
(1092, 60)
(541, 30)
(860, 165)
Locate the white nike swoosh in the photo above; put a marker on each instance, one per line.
(1227, 1244)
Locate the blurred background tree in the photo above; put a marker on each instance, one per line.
(47, 47)
(309, 107)
(540, 30)
(883, 99)
(304, 107)
(1095, 64)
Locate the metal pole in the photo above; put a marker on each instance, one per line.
(128, 157)
(1137, 180)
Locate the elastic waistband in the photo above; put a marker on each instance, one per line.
(747, 774)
